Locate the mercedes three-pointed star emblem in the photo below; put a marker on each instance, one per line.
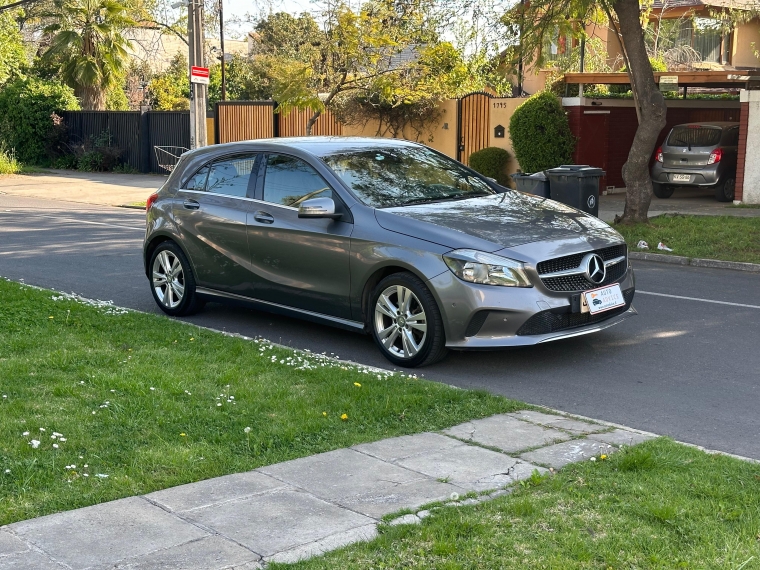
(595, 269)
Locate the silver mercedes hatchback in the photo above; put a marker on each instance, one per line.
(383, 236)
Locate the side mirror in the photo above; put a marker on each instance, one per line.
(318, 208)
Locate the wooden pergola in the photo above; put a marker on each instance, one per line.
(686, 79)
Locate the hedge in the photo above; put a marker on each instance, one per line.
(540, 133)
(492, 162)
(26, 121)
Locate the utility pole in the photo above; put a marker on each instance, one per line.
(198, 91)
(221, 45)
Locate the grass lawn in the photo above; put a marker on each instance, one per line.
(98, 404)
(711, 237)
(656, 505)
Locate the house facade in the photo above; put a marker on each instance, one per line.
(683, 34)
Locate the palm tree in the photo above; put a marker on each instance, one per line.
(88, 46)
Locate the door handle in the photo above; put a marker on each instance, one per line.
(263, 218)
(191, 205)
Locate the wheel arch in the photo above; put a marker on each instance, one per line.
(378, 275)
(154, 242)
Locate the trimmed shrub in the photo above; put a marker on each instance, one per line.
(26, 115)
(540, 133)
(492, 162)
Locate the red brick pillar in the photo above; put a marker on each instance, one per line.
(743, 127)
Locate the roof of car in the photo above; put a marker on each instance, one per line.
(721, 124)
(316, 145)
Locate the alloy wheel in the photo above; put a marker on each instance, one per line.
(400, 321)
(168, 279)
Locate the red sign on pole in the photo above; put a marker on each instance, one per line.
(199, 75)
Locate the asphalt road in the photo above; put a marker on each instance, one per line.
(685, 367)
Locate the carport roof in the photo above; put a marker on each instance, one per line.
(735, 79)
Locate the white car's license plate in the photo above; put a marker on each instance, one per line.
(681, 177)
(604, 299)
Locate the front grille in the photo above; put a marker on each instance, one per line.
(547, 322)
(579, 282)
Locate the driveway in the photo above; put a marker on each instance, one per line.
(687, 366)
(104, 188)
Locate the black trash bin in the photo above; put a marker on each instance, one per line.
(576, 185)
(532, 183)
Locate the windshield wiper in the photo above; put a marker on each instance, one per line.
(426, 200)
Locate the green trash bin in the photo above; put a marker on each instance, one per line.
(532, 183)
(576, 185)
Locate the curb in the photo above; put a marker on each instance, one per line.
(695, 261)
(128, 207)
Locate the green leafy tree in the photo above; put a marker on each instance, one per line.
(169, 90)
(360, 53)
(27, 115)
(532, 24)
(88, 46)
(284, 35)
(13, 56)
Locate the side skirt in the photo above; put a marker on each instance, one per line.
(213, 294)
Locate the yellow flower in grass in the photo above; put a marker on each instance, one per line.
(324, 414)
(344, 417)
(183, 434)
(603, 457)
(357, 385)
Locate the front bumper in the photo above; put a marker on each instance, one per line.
(487, 317)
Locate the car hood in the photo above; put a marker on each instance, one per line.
(494, 222)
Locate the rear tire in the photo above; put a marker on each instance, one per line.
(724, 192)
(405, 321)
(172, 281)
(662, 191)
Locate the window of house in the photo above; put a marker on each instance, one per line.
(557, 46)
(706, 36)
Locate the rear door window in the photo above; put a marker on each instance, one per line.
(231, 176)
(694, 136)
(198, 181)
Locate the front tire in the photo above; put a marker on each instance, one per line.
(172, 281)
(724, 192)
(406, 322)
(662, 191)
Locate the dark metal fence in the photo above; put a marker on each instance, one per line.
(134, 132)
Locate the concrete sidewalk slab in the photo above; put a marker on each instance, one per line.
(621, 437)
(302, 508)
(361, 483)
(561, 454)
(469, 467)
(209, 552)
(572, 425)
(506, 433)
(126, 528)
(277, 521)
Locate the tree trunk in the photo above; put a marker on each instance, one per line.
(311, 121)
(91, 98)
(652, 112)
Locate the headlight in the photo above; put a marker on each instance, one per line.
(479, 267)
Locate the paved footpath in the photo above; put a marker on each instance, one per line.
(305, 507)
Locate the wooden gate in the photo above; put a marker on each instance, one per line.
(245, 120)
(294, 124)
(473, 114)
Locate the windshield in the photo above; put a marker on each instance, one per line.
(694, 135)
(399, 176)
